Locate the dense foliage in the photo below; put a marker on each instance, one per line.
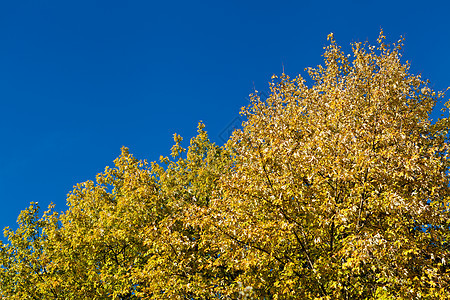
(335, 191)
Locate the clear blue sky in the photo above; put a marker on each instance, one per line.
(79, 79)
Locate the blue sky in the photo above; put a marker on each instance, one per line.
(81, 79)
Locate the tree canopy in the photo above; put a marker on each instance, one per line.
(334, 190)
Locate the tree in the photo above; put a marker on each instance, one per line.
(335, 191)
(25, 265)
(129, 235)
(340, 190)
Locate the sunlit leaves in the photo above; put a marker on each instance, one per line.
(338, 190)
(335, 181)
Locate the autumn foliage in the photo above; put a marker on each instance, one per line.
(337, 190)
